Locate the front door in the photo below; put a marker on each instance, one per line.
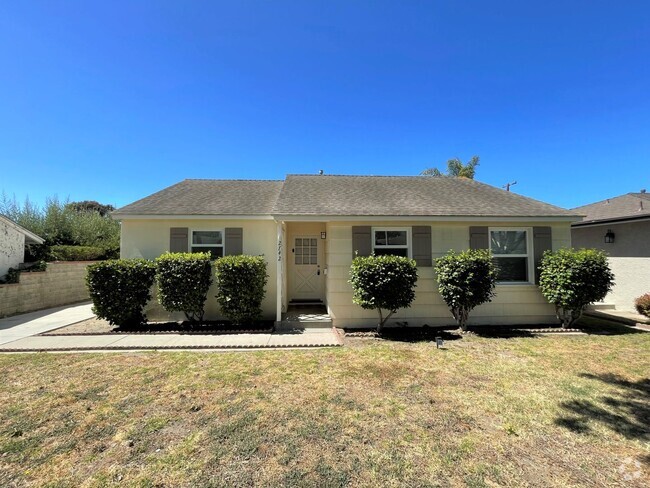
(307, 275)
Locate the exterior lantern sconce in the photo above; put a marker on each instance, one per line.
(609, 237)
(323, 235)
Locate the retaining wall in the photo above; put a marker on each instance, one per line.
(62, 283)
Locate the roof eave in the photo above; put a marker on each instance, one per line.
(424, 218)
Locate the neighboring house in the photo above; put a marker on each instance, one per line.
(13, 239)
(310, 227)
(621, 227)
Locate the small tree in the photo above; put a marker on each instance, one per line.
(241, 281)
(642, 304)
(571, 279)
(383, 283)
(183, 281)
(120, 289)
(465, 281)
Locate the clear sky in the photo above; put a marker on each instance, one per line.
(114, 100)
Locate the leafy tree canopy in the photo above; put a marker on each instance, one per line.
(455, 167)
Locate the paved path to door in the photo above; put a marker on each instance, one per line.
(20, 333)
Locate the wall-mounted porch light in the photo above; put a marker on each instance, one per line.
(323, 235)
(609, 237)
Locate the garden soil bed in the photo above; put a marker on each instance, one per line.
(97, 326)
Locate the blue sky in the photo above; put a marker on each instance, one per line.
(111, 101)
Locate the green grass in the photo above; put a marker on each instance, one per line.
(546, 411)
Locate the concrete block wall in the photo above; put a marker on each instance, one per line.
(62, 283)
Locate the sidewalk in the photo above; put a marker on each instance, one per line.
(20, 334)
(622, 317)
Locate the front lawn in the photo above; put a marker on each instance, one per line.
(545, 411)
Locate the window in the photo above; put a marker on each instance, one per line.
(511, 252)
(208, 241)
(306, 250)
(393, 241)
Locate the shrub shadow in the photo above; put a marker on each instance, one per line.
(626, 411)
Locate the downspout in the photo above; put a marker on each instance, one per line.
(279, 273)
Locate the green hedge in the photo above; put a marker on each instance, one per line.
(76, 253)
(383, 283)
(465, 280)
(120, 289)
(183, 281)
(241, 281)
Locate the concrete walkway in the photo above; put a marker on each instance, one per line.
(32, 323)
(622, 317)
(19, 334)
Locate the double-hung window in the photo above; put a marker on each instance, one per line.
(512, 252)
(395, 241)
(208, 241)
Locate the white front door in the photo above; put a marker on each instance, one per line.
(307, 275)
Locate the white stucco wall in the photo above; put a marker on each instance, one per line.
(12, 247)
(150, 238)
(513, 304)
(632, 279)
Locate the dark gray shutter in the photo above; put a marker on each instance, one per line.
(178, 239)
(422, 245)
(542, 241)
(478, 238)
(361, 241)
(234, 242)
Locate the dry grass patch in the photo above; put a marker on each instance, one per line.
(549, 411)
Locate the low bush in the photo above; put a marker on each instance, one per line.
(465, 281)
(383, 283)
(571, 279)
(183, 281)
(241, 282)
(120, 289)
(642, 304)
(76, 253)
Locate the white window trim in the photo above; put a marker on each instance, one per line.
(408, 246)
(530, 254)
(209, 229)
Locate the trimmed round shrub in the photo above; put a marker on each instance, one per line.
(642, 304)
(465, 281)
(241, 282)
(383, 283)
(120, 289)
(571, 279)
(183, 281)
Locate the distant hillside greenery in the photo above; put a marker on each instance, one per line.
(66, 225)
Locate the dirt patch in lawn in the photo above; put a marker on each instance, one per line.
(97, 326)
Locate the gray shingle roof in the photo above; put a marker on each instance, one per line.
(208, 197)
(404, 196)
(330, 195)
(630, 205)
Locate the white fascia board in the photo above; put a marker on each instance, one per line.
(189, 217)
(420, 218)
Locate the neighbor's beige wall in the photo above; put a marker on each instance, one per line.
(150, 238)
(514, 304)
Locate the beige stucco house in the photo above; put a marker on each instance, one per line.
(13, 239)
(620, 226)
(309, 227)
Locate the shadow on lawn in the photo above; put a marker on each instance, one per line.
(627, 411)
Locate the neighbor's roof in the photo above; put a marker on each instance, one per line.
(208, 197)
(404, 196)
(623, 207)
(341, 196)
(30, 237)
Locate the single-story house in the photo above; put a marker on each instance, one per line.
(619, 226)
(13, 239)
(310, 227)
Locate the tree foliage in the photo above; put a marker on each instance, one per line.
(642, 304)
(241, 282)
(455, 167)
(91, 206)
(465, 281)
(383, 283)
(571, 279)
(183, 281)
(120, 289)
